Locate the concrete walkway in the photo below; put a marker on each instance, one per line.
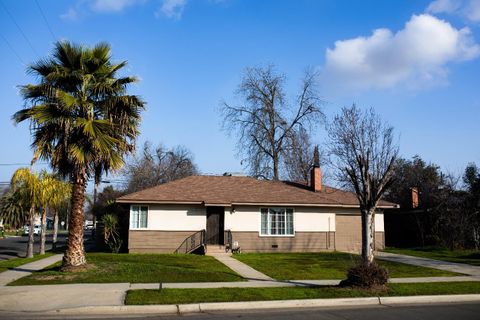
(430, 263)
(241, 268)
(52, 297)
(26, 269)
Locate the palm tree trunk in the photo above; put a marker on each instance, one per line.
(75, 253)
(367, 235)
(43, 231)
(55, 230)
(31, 228)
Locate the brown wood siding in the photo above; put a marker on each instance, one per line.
(379, 240)
(154, 241)
(348, 234)
(301, 242)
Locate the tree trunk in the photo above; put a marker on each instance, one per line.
(31, 238)
(75, 253)
(55, 230)
(43, 231)
(368, 233)
(275, 167)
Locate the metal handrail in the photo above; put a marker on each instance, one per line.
(192, 242)
(228, 239)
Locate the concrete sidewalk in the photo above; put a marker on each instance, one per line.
(52, 297)
(430, 263)
(26, 269)
(241, 268)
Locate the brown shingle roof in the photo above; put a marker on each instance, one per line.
(228, 190)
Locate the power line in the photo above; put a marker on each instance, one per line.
(13, 50)
(19, 29)
(46, 21)
(20, 164)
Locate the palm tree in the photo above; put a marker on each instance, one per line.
(27, 184)
(83, 122)
(46, 194)
(13, 209)
(61, 195)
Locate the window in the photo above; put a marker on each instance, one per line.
(138, 217)
(276, 221)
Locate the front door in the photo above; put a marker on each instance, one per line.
(215, 225)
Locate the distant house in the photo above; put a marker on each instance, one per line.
(258, 215)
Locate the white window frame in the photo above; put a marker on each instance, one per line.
(131, 216)
(269, 221)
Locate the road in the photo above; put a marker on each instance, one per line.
(13, 247)
(464, 311)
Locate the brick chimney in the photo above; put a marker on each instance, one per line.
(316, 172)
(415, 202)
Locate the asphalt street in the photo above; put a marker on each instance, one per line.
(464, 311)
(13, 247)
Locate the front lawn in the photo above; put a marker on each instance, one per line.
(181, 296)
(16, 262)
(325, 265)
(471, 257)
(137, 268)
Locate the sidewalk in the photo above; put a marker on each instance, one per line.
(26, 269)
(430, 263)
(241, 268)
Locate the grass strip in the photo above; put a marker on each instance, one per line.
(136, 268)
(325, 265)
(183, 296)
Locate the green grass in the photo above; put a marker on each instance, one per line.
(325, 265)
(471, 257)
(137, 268)
(181, 296)
(16, 262)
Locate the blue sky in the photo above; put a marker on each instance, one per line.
(416, 62)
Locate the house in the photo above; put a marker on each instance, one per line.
(259, 215)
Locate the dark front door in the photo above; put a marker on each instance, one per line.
(215, 225)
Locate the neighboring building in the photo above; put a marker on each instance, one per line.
(261, 215)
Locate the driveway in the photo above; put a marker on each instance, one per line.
(13, 247)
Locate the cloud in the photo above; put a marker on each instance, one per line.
(70, 15)
(113, 5)
(172, 8)
(468, 9)
(414, 57)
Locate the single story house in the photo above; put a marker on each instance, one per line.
(258, 215)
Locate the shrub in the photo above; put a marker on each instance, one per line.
(366, 276)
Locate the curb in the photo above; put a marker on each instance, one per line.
(264, 305)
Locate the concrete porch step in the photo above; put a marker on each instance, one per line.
(215, 249)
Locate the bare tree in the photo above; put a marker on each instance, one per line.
(159, 166)
(364, 152)
(265, 121)
(299, 156)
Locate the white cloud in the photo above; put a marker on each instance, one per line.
(113, 5)
(469, 9)
(172, 8)
(416, 56)
(70, 15)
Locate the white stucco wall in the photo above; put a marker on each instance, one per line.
(247, 218)
(244, 218)
(379, 224)
(176, 218)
